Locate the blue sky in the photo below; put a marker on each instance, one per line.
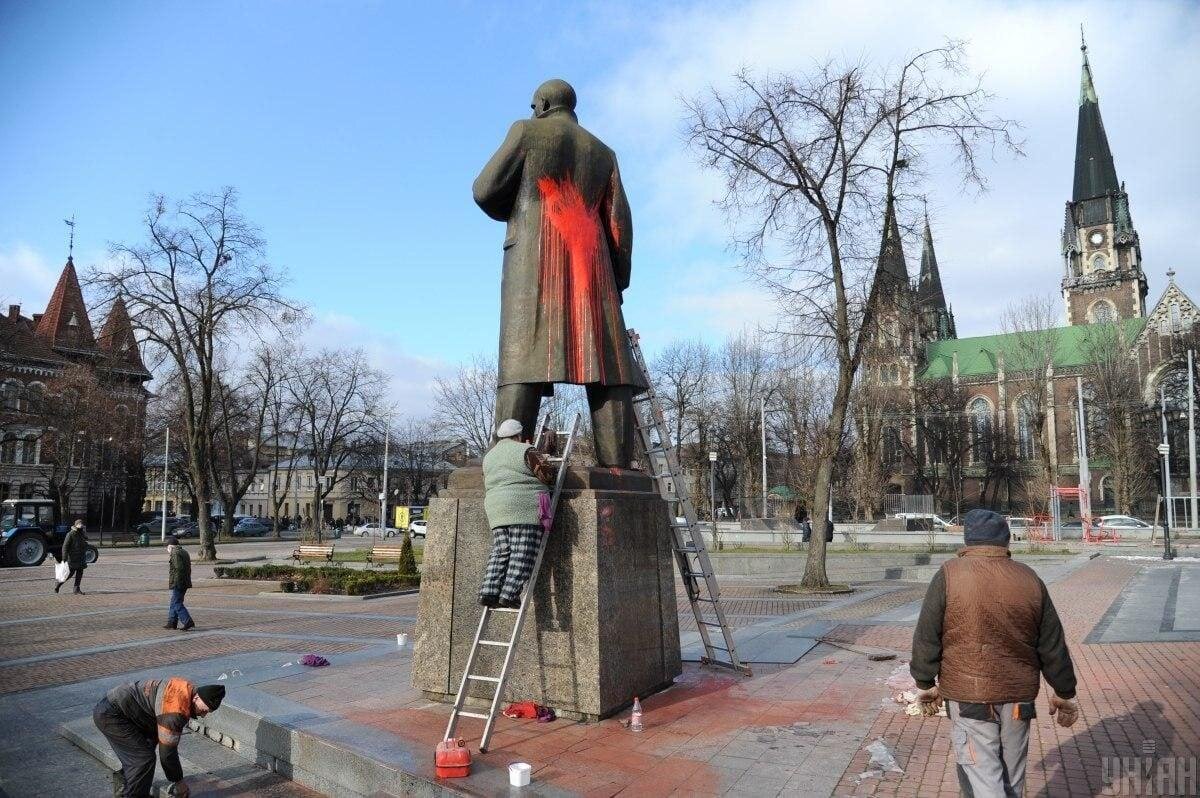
(353, 131)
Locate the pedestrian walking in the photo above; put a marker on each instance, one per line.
(74, 554)
(138, 716)
(515, 475)
(987, 633)
(180, 581)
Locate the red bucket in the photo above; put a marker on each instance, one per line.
(452, 760)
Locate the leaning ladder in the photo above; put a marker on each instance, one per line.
(687, 540)
(509, 646)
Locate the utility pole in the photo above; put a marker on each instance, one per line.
(1165, 449)
(762, 424)
(1085, 474)
(166, 465)
(712, 495)
(1194, 503)
(383, 489)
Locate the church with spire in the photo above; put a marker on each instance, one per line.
(1010, 426)
(47, 355)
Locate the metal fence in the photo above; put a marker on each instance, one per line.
(919, 503)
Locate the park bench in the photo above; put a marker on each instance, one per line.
(313, 553)
(384, 554)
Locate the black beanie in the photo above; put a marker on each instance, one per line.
(171, 540)
(985, 528)
(211, 695)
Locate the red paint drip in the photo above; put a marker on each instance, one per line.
(576, 279)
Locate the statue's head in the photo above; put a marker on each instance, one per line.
(553, 95)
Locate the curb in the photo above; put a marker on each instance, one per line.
(333, 596)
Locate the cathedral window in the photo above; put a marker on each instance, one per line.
(1175, 325)
(1026, 428)
(891, 446)
(10, 395)
(8, 449)
(980, 411)
(1103, 312)
(1099, 263)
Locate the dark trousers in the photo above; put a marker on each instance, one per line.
(514, 550)
(178, 613)
(611, 408)
(131, 745)
(78, 574)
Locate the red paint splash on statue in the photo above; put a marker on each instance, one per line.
(576, 278)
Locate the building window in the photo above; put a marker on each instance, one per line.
(5, 490)
(1099, 263)
(1175, 325)
(8, 449)
(1026, 428)
(29, 450)
(1103, 312)
(980, 411)
(10, 396)
(26, 491)
(891, 446)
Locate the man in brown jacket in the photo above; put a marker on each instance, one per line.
(987, 633)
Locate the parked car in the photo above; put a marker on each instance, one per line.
(186, 530)
(365, 530)
(941, 524)
(1123, 523)
(30, 529)
(417, 528)
(250, 527)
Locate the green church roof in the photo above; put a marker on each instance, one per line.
(977, 356)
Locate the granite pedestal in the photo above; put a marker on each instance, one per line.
(603, 625)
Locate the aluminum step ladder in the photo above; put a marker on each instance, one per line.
(489, 613)
(691, 555)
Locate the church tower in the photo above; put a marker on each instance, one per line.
(1102, 260)
(936, 318)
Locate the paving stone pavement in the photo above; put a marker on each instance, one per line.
(793, 729)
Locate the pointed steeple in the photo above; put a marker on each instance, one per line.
(892, 268)
(929, 284)
(1095, 173)
(65, 322)
(117, 338)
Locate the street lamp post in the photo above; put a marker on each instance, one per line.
(1164, 449)
(166, 464)
(712, 493)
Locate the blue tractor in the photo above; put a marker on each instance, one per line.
(31, 529)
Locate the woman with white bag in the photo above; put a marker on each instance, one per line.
(74, 557)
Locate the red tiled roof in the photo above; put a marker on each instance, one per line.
(18, 341)
(117, 338)
(65, 322)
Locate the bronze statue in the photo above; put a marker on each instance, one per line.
(567, 258)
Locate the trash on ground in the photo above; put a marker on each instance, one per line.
(829, 661)
(635, 719)
(314, 661)
(529, 710)
(881, 761)
(518, 774)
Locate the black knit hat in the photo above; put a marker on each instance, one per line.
(211, 695)
(171, 540)
(985, 528)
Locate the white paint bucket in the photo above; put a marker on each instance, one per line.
(401, 639)
(518, 774)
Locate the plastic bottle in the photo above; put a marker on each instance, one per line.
(635, 720)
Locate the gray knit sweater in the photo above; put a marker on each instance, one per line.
(511, 488)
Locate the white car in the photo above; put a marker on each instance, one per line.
(1122, 523)
(939, 522)
(1018, 526)
(417, 528)
(373, 529)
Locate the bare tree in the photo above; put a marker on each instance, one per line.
(811, 164)
(281, 436)
(198, 280)
(466, 403)
(944, 442)
(683, 375)
(240, 426)
(1033, 323)
(339, 399)
(1119, 428)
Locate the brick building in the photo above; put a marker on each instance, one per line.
(1013, 397)
(41, 354)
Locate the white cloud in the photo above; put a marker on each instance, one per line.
(26, 278)
(412, 376)
(992, 248)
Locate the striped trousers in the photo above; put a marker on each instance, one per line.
(514, 550)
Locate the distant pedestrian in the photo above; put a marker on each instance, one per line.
(515, 476)
(138, 716)
(180, 581)
(74, 554)
(987, 633)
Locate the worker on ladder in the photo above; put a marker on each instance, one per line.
(515, 476)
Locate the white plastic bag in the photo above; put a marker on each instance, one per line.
(62, 571)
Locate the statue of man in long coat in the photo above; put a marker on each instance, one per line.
(567, 258)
